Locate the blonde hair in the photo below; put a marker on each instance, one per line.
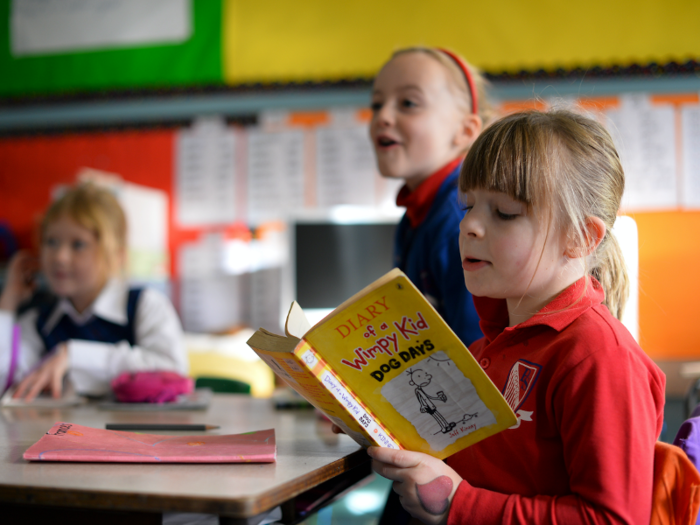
(565, 167)
(96, 209)
(457, 82)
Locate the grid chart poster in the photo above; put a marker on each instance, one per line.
(275, 174)
(690, 119)
(205, 178)
(645, 136)
(345, 166)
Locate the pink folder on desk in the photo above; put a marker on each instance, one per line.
(71, 442)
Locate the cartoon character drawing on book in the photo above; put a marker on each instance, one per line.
(443, 393)
(419, 379)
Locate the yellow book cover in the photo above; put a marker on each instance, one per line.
(387, 369)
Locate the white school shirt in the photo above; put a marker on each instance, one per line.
(92, 365)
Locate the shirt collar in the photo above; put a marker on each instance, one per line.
(110, 305)
(419, 201)
(563, 310)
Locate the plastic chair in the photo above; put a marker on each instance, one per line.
(222, 385)
(676, 492)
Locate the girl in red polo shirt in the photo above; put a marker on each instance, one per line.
(428, 106)
(541, 192)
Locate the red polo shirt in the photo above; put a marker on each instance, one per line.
(590, 408)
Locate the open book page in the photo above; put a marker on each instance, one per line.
(297, 324)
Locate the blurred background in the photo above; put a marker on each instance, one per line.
(235, 135)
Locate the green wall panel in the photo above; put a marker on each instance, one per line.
(195, 62)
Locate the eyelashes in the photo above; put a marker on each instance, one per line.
(499, 214)
(506, 216)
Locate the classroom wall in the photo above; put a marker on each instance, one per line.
(271, 41)
(236, 42)
(276, 40)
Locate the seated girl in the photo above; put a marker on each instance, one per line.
(92, 327)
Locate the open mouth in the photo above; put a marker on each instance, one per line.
(470, 264)
(385, 142)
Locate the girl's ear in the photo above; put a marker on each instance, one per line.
(116, 262)
(593, 235)
(470, 127)
(121, 260)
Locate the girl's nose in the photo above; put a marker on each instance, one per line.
(62, 252)
(471, 225)
(384, 115)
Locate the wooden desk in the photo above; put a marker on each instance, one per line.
(309, 458)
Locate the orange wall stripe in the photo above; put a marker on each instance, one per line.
(308, 118)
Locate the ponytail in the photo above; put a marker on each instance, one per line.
(610, 270)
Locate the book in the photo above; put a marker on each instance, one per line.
(71, 442)
(387, 369)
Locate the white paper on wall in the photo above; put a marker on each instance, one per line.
(690, 126)
(209, 299)
(645, 137)
(146, 210)
(202, 258)
(627, 235)
(275, 174)
(205, 174)
(345, 166)
(60, 26)
(210, 304)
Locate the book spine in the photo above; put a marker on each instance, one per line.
(350, 402)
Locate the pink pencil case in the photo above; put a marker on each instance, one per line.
(157, 386)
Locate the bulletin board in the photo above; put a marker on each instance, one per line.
(234, 42)
(277, 40)
(195, 61)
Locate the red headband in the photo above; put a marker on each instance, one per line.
(467, 75)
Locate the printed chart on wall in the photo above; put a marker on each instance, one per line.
(257, 177)
(288, 163)
(206, 174)
(658, 139)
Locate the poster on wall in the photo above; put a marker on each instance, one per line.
(42, 27)
(690, 126)
(645, 137)
(345, 167)
(275, 174)
(205, 174)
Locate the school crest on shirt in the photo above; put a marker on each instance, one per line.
(520, 383)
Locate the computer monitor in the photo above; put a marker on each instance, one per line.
(334, 260)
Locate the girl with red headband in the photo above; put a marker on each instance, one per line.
(428, 106)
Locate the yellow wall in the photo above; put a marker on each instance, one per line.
(282, 40)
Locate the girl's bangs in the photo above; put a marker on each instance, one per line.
(508, 157)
